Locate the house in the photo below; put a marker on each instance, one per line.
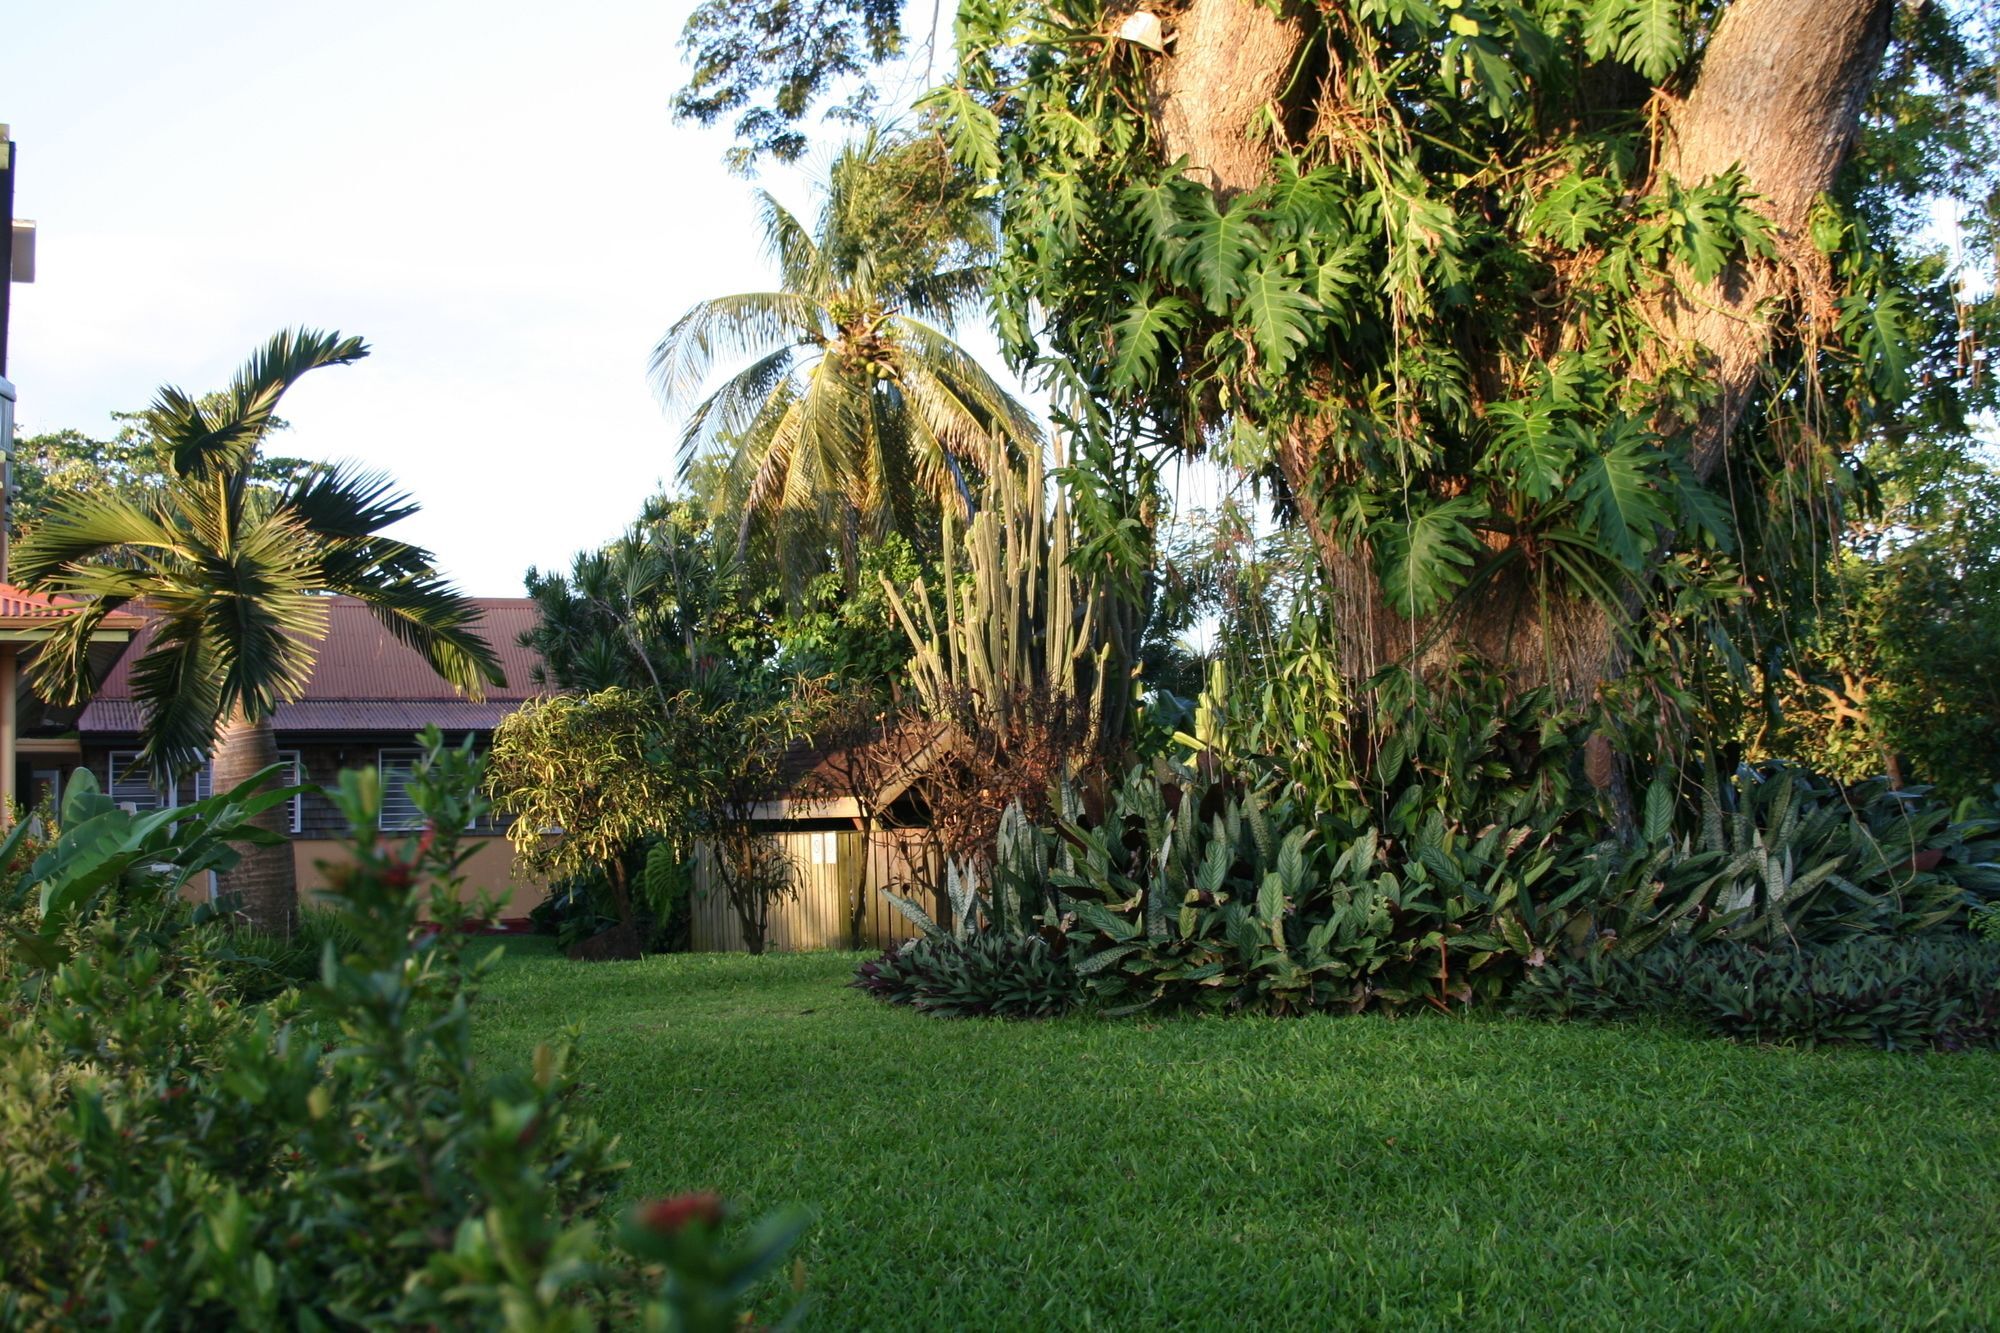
(36, 742)
(368, 696)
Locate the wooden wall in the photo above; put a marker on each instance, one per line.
(835, 903)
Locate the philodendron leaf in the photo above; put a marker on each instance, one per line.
(1616, 488)
(1276, 309)
(1426, 559)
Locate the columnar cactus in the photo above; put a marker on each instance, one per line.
(1027, 625)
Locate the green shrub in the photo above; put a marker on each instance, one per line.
(990, 975)
(1773, 856)
(171, 1155)
(998, 959)
(1895, 992)
(1986, 922)
(1198, 890)
(262, 966)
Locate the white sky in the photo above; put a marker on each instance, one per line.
(492, 193)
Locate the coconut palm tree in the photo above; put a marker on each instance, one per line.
(235, 577)
(851, 407)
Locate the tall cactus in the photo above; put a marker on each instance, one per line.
(1027, 625)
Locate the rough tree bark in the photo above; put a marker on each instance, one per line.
(265, 881)
(1779, 92)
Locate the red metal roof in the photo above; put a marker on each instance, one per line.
(367, 680)
(20, 604)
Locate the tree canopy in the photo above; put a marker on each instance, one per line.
(850, 410)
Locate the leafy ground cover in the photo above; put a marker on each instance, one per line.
(1283, 1173)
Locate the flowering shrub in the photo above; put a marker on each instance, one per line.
(173, 1154)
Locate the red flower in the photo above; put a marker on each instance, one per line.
(668, 1216)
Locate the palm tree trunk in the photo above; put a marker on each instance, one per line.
(265, 882)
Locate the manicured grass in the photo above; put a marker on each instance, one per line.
(1285, 1174)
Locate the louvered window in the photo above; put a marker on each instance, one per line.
(204, 786)
(127, 783)
(398, 810)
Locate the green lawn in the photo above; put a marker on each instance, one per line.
(1285, 1174)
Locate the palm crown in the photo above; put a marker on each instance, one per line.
(235, 575)
(852, 402)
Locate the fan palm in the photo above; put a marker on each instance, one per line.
(851, 405)
(234, 577)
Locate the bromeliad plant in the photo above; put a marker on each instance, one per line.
(1197, 891)
(1779, 859)
(997, 958)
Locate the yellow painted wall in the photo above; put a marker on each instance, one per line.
(491, 870)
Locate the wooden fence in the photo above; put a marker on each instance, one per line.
(835, 903)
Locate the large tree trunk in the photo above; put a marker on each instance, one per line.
(1778, 92)
(265, 882)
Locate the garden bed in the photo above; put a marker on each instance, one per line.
(1283, 1173)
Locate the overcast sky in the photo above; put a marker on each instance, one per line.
(492, 193)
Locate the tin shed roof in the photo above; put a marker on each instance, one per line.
(365, 679)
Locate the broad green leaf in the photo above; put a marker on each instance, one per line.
(1571, 210)
(1155, 206)
(1645, 34)
(1277, 310)
(971, 130)
(1139, 335)
(1426, 559)
(1618, 494)
(1534, 453)
(1221, 246)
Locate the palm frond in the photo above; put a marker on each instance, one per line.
(731, 413)
(947, 297)
(831, 451)
(60, 670)
(180, 683)
(933, 464)
(950, 422)
(801, 265)
(770, 467)
(202, 440)
(89, 526)
(969, 382)
(263, 619)
(344, 501)
(749, 324)
(436, 620)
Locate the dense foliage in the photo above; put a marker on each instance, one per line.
(1203, 885)
(1501, 397)
(178, 1155)
(850, 411)
(688, 676)
(133, 462)
(1900, 994)
(1433, 283)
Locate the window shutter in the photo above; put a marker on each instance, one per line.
(203, 784)
(127, 782)
(297, 805)
(399, 812)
